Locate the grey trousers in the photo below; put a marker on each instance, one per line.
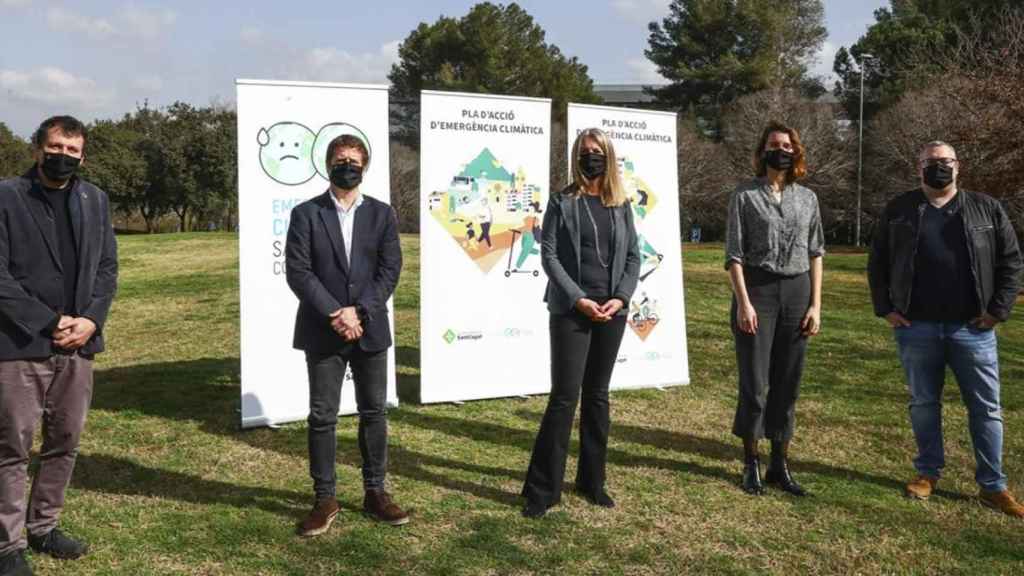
(771, 361)
(370, 375)
(56, 390)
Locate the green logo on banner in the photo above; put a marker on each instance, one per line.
(449, 336)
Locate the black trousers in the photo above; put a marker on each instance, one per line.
(771, 361)
(583, 354)
(326, 372)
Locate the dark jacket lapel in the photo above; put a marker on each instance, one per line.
(361, 227)
(79, 222)
(329, 216)
(40, 210)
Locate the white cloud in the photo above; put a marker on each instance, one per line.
(334, 65)
(53, 86)
(14, 3)
(642, 11)
(822, 65)
(131, 22)
(643, 71)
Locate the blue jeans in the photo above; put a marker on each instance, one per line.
(926, 348)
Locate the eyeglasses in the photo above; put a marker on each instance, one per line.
(947, 162)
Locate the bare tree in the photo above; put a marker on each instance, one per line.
(405, 186)
(972, 96)
(705, 182)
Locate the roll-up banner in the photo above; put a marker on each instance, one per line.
(283, 132)
(484, 171)
(653, 351)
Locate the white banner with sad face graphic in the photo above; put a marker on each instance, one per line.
(283, 132)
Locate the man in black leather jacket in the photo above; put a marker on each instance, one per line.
(944, 269)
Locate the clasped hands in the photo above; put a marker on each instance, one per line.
(72, 333)
(598, 312)
(345, 321)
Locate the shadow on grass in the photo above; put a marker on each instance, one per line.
(111, 475)
(725, 452)
(206, 391)
(523, 440)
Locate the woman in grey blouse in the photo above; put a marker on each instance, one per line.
(774, 247)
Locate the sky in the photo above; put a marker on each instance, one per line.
(100, 58)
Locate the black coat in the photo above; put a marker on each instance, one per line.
(31, 272)
(991, 244)
(319, 275)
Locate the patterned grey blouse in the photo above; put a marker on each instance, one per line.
(780, 237)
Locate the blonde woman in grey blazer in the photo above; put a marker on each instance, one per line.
(589, 252)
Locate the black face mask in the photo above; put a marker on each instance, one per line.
(592, 165)
(779, 159)
(59, 167)
(938, 176)
(346, 176)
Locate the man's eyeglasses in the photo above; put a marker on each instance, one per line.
(947, 162)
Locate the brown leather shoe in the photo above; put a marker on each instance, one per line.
(377, 504)
(320, 518)
(921, 488)
(1003, 502)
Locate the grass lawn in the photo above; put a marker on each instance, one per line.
(166, 482)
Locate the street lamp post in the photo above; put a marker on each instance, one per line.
(860, 144)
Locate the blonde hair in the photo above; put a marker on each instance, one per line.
(613, 193)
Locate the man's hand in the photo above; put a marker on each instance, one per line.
(611, 307)
(62, 326)
(985, 322)
(345, 322)
(811, 323)
(73, 333)
(351, 334)
(591, 310)
(896, 320)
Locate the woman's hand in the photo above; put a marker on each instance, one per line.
(746, 317)
(612, 307)
(811, 323)
(591, 310)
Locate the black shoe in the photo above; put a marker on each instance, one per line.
(778, 473)
(57, 544)
(752, 477)
(14, 564)
(534, 509)
(600, 498)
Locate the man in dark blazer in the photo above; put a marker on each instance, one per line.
(58, 275)
(343, 259)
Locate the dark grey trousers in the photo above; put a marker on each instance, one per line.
(326, 372)
(56, 390)
(771, 361)
(583, 354)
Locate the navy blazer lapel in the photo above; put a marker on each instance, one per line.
(329, 216)
(361, 227)
(40, 209)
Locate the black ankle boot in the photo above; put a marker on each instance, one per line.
(752, 476)
(778, 473)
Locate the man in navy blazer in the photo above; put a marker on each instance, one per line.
(343, 259)
(58, 275)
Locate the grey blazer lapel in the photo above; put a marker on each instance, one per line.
(571, 214)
